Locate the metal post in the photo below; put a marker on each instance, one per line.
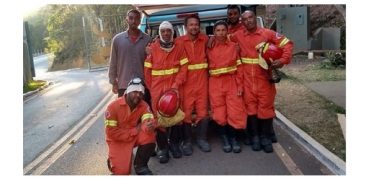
(86, 44)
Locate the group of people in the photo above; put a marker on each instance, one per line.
(220, 73)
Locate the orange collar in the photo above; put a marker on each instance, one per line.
(257, 31)
(186, 38)
(122, 101)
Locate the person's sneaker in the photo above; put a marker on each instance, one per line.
(175, 150)
(163, 155)
(187, 149)
(203, 145)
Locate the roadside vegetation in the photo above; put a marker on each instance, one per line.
(310, 111)
(33, 85)
(58, 29)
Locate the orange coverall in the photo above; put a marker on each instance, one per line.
(195, 89)
(165, 70)
(124, 130)
(259, 93)
(233, 28)
(224, 84)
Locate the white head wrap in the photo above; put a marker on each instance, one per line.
(166, 25)
(135, 87)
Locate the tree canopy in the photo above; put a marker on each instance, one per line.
(58, 29)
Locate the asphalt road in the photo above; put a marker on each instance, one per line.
(41, 65)
(50, 113)
(87, 156)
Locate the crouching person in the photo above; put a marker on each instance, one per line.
(129, 122)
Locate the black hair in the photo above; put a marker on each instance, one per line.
(134, 11)
(220, 22)
(190, 17)
(231, 6)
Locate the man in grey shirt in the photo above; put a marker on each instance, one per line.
(128, 54)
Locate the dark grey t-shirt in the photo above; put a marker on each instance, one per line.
(127, 58)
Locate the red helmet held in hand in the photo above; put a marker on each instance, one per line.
(271, 52)
(168, 103)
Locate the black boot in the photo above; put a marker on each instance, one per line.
(247, 133)
(226, 147)
(163, 155)
(162, 142)
(202, 136)
(272, 134)
(232, 139)
(247, 137)
(187, 139)
(175, 141)
(175, 150)
(142, 158)
(254, 132)
(266, 143)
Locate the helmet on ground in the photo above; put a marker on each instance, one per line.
(271, 52)
(168, 103)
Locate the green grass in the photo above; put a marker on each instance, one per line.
(310, 111)
(313, 113)
(33, 85)
(313, 73)
(335, 108)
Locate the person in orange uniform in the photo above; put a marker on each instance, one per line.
(195, 90)
(165, 68)
(225, 88)
(259, 93)
(129, 122)
(235, 24)
(233, 19)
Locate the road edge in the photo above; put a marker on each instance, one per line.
(29, 94)
(41, 162)
(327, 158)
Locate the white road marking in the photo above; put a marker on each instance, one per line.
(286, 159)
(81, 127)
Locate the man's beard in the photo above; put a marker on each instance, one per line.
(136, 101)
(194, 32)
(232, 23)
(166, 44)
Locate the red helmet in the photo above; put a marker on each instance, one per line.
(168, 103)
(271, 51)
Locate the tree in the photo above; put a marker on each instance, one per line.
(59, 28)
(38, 29)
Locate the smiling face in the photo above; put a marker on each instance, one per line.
(193, 26)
